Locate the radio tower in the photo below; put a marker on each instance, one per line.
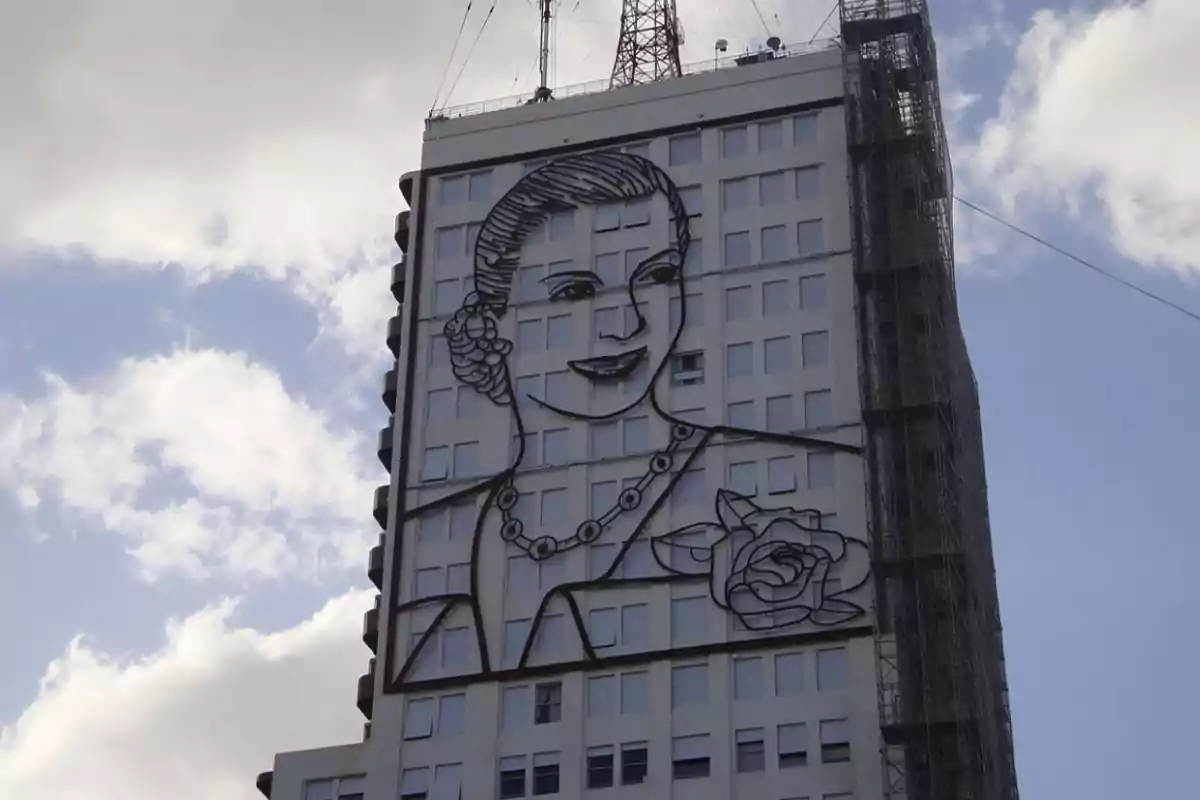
(648, 48)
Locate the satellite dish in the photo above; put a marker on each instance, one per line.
(774, 43)
(722, 45)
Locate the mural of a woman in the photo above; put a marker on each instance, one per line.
(639, 353)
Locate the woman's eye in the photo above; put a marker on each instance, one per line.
(658, 273)
(575, 290)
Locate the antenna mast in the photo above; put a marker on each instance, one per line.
(543, 92)
(648, 48)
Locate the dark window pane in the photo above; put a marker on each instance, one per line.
(600, 771)
(545, 779)
(512, 783)
(685, 768)
(634, 766)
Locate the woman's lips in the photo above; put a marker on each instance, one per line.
(609, 368)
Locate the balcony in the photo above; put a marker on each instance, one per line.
(401, 233)
(393, 336)
(380, 509)
(370, 634)
(406, 185)
(375, 564)
(383, 446)
(263, 783)
(399, 279)
(366, 691)
(388, 396)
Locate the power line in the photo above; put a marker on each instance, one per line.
(1083, 262)
(761, 19)
(450, 59)
(470, 52)
(824, 22)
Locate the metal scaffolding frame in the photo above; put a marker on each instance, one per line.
(943, 702)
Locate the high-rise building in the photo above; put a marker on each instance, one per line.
(687, 494)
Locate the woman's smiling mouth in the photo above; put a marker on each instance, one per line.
(603, 369)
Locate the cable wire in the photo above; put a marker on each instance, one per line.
(1083, 262)
(450, 60)
(825, 22)
(470, 52)
(761, 19)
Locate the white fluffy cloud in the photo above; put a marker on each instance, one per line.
(202, 460)
(196, 720)
(1099, 112)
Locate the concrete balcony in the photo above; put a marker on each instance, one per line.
(399, 280)
(394, 336)
(388, 396)
(380, 509)
(366, 691)
(401, 232)
(370, 634)
(383, 446)
(375, 564)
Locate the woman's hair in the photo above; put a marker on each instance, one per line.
(477, 351)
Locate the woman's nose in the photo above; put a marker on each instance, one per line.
(633, 325)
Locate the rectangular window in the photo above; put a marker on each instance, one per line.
(737, 249)
(821, 471)
(414, 784)
(529, 386)
(435, 465)
(466, 459)
(418, 718)
(689, 619)
(606, 322)
(531, 456)
(739, 360)
(689, 757)
(734, 142)
(747, 679)
(777, 355)
(466, 403)
(689, 685)
(635, 623)
(815, 349)
(804, 129)
(602, 627)
(638, 562)
(690, 490)
(514, 706)
(463, 517)
(793, 745)
(687, 369)
(512, 777)
(558, 388)
(456, 648)
(772, 188)
(635, 693)
(547, 699)
(449, 242)
(640, 149)
(775, 298)
(529, 286)
(562, 225)
(812, 292)
(808, 183)
(693, 260)
(735, 194)
(605, 441)
(432, 526)
(743, 478)
(556, 444)
(458, 578)
(529, 336)
(453, 190)
(779, 414)
(515, 632)
(480, 186)
(770, 135)
(633, 258)
(452, 711)
(751, 754)
(603, 497)
(601, 696)
(558, 332)
(607, 217)
(600, 767)
(545, 773)
(686, 553)
(835, 741)
(741, 414)
(600, 557)
(831, 669)
(810, 235)
(439, 406)
(685, 149)
(447, 782)
(447, 296)
(693, 200)
(775, 243)
(739, 303)
(789, 674)
(635, 763)
(781, 475)
(551, 573)
(550, 636)
(636, 213)
(608, 268)
(439, 353)
(636, 435)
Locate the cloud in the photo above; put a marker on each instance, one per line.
(201, 460)
(1097, 114)
(197, 719)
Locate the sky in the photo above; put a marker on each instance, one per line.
(195, 220)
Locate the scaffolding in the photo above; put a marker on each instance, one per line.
(943, 702)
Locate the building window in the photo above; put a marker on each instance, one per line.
(601, 772)
(556, 444)
(775, 298)
(789, 674)
(821, 471)
(835, 741)
(449, 242)
(831, 669)
(781, 475)
(777, 355)
(435, 465)
(690, 490)
(818, 408)
(453, 190)
(515, 632)
(452, 710)
(739, 360)
(687, 369)
(604, 441)
(529, 336)
(456, 648)
(636, 213)
(606, 322)
(750, 754)
(558, 332)
(737, 249)
(458, 578)
(562, 225)
(529, 386)
(529, 284)
(685, 149)
(740, 414)
(466, 459)
(554, 507)
(447, 296)
(808, 183)
(514, 706)
(775, 243)
(480, 186)
(695, 310)
(689, 685)
(812, 292)
(804, 129)
(635, 763)
(525, 447)
(743, 478)
(418, 718)
(635, 693)
(608, 268)
(793, 745)
(815, 349)
(779, 414)
(770, 135)
(414, 784)
(547, 706)
(811, 237)
(635, 621)
(693, 260)
(439, 353)
(512, 777)
(693, 200)
(545, 773)
(689, 619)
(636, 435)
(747, 679)
(551, 573)
(734, 142)
(466, 403)
(602, 498)
(558, 388)
(601, 696)
(689, 757)
(772, 188)
(428, 582)
(735, 194)
(606, 217)
(638, 562)
(739, 303)
(600, 557)
(549, 641)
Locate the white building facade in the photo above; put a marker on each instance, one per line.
(626, 549)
